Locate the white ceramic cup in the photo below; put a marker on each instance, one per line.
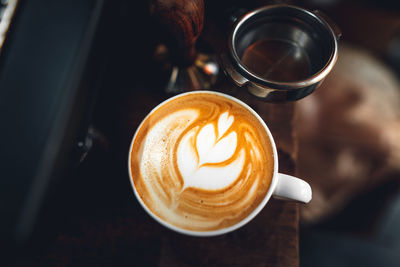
(283, 186)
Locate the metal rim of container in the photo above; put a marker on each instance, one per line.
(314, 78)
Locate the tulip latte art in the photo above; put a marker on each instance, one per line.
(201, 162)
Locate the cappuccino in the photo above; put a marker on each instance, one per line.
(201, 162)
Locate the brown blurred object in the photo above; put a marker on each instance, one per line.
(182, 22)
(348, 133)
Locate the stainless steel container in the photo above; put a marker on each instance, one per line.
(281, 52)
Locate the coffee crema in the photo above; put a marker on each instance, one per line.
(201, 162)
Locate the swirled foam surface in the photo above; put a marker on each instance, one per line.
(201, 162)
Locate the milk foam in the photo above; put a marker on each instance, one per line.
(196, 152)
(202, 165)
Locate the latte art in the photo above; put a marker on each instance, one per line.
(206, 157)
(201, 162)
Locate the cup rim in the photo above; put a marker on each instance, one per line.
(242, 222)
(312, 79)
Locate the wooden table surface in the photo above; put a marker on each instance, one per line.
(95, 219)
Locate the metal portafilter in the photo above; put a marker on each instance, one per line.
(281, 52)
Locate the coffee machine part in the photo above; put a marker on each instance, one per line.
(281, 52)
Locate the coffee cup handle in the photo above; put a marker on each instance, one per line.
(292, 188)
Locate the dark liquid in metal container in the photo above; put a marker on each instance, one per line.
(277, 60)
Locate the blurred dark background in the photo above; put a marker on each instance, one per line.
(364, 230)
(92, 182)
